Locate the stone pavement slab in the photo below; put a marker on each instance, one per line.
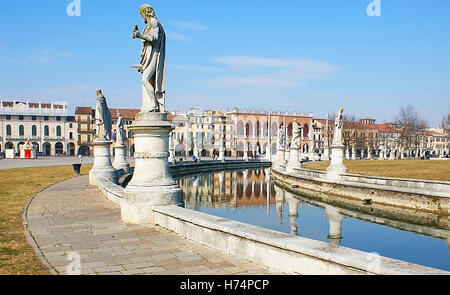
(73, 218)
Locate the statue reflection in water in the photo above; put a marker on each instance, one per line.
(252, 189)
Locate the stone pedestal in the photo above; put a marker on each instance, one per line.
(381, 155)
(221, 154)
(245, 152)
(269, 152)
(102, 163)
(353, 153)
(196, 152)
(120, 160)
(337, 162)
(335, 221)
(326, 153)
(281, 156)
(172, 158)
(293, 162)
(152, 183)
(369, 154)
(392, 155)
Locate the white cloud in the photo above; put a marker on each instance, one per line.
(7, 59)
(268, 73)
(188, 26)
(298, 67)
(255, 81)
(177, 36)
(195, 68)
(46, 56)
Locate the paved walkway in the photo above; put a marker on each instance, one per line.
(43, 161)
(74, 217)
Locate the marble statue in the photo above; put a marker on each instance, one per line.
(296, 129)
(338, 125)
(120, 133)
(152, 64)
(281, 142)
(102, 118)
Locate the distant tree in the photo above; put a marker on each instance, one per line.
(446, 123)
(354, 132)
(412, 128)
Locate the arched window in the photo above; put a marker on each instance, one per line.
(305, 131)
(21, 130)
(289, 131)
(46, 131)
(58, 131)
(8, 130)
(33, 130)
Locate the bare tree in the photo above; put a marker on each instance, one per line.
(446, 123)
(354, 132)
(412, 128)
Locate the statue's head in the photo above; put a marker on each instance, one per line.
(118, 113)
(148, 15)
(99, 92)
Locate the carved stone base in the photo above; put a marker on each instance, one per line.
(120, 160)
(281, 156)
(172, 158)
(293, 162)
(152, 183)
(102, 163)
(337, 166)
(221, 155)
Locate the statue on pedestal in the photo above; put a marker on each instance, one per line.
(102, 118)
(281, 142)
(120, 133)
(295, 143)
(338, 124)
(152, 64)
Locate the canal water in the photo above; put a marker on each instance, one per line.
(251, 197)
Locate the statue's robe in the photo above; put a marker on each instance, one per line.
(104, 115)
(296, 134)
(156, 50)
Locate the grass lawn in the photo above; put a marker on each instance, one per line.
(16, 187)
(419, 169)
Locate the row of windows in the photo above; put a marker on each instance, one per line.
(33, 130)
(32, 118)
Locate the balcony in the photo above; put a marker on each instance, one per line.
(83, 130)
(53, 138)
(22, 138)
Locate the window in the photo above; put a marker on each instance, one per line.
(70, 125)
(70, 135)
(88, 138)
(45, 118)
(46, 130)
(8, 130)
(58, 131)
(33, 118)
(33, 130)
(20, 118)
(21, 130)
(8, 117)
(58, 118)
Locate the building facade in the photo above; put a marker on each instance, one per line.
(46, 125)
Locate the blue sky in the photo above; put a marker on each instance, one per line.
(299, 55)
